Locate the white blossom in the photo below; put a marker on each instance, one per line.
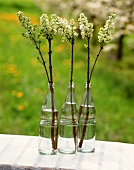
(68, 30)
(96, 11)
(31, 30)
(85, 27)
(104, 34)
(48, 27)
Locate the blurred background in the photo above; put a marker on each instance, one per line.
(23, 84)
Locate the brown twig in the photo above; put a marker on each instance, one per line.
(87, 97)
(101, 48)
(71, 80)
(43, 61)
(54, 143)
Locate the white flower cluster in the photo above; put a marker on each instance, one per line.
(68, 30)
(49, 27)
(56, 25)
(85, 27)
(31, 32)
(104, 34)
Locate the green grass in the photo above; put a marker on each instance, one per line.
(23, 83)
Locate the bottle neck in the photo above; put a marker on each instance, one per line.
(50, 85)
(87, 85)
(71, 85)
(71, 88)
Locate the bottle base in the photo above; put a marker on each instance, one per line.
(45, 152)
(85, 150)
(66, 151)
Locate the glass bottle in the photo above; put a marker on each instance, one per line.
(87, 123)
(48, 127)
(68, 123)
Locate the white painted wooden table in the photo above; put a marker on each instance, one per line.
(21, 152)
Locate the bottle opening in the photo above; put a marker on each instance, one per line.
(71, 84)
(50, 84)
(88, 85)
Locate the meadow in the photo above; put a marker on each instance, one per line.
(23, 83)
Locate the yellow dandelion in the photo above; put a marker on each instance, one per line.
(34, 62)
(60, 48)
(20, 107)
(19, 94)
(44, 48)
(13, 17)
(11, 69)
(9, 17)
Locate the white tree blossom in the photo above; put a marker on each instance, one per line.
(96, 11)
(31, 30)
(104, 34)
(49, 27)
(68, 30)
(85, 27)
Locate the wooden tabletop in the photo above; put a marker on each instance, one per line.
(21, 152)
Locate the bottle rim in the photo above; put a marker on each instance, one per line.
(49, 84)
(71, 84)
(86, 85)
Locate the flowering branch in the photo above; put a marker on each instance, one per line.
(68, 30)
(48, 29)
(104, 36)
(86, 31)
(33, 35)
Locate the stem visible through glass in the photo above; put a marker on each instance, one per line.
(87, 95)
(71, 80)
(89, 76)
(54, 140)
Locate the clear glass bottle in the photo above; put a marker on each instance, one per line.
(68, 125)
(87, 123)
(48, 127)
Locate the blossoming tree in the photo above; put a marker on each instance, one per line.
(97, 12)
